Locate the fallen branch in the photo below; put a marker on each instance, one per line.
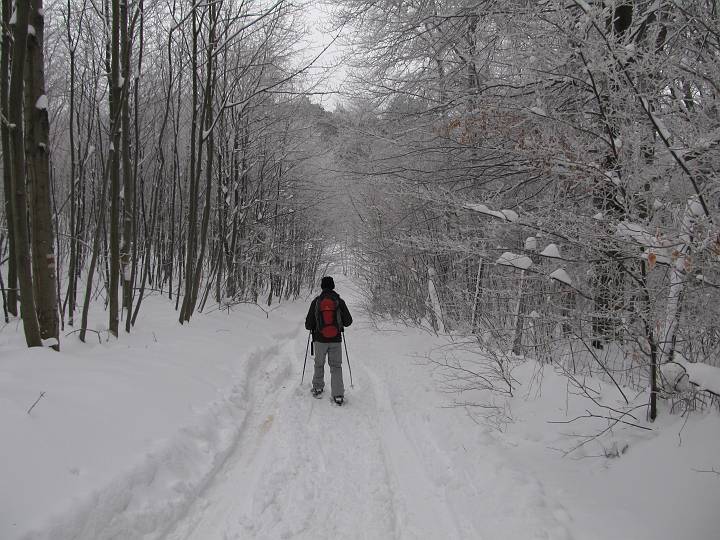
(36, 402)
(712, 471)
(611, 418)
(613, 421)
(87, 330)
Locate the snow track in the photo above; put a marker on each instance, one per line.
(304, 468)
(390, 463)
(205, 433)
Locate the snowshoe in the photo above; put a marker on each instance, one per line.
(339, 400)
(316, 392)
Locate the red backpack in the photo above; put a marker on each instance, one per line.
(327, 316)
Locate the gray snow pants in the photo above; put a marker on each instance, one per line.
(334, 354)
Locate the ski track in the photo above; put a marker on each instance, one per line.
(391, 463)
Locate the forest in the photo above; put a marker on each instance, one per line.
(538, 179)
(519, 201)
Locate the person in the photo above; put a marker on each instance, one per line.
(326, 319)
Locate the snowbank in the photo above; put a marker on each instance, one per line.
(127, 432)
(626, 482)
(704, 376)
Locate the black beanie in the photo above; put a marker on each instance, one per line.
(327, 283)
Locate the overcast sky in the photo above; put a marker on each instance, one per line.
(328, 68)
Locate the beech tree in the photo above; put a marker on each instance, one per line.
(16, 163)
(37, 148)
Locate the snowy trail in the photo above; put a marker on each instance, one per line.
(203, 432)
(391, 463)
(278, 484)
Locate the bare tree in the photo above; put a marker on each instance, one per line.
(12, 297)
(18, 179)
(38, 170)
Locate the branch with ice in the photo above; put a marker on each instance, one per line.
(655, 250)
(522, 262)
(505, 215)
(562, 276)
(679, 375)
(704, 376)
(551, 251)
(677, 155)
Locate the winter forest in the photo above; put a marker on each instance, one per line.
(519, 199)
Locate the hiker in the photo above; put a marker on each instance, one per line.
(326, 319)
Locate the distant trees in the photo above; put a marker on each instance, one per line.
(178, 151)
(546, 174)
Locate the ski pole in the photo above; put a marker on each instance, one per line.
(348, 361)
(305, 363)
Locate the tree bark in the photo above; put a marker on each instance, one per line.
(72, 270)
(12, 296)
(116, 99)
(17, 164)
(210, 152)
(127, 171)
(190, 246)
(38, 171)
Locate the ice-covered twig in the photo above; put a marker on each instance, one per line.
(522, 262)
(505, 215)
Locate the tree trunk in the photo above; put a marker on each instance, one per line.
(17, 165)
(127, 172)
(12, 296)
(94, 254)
(608, 280)
(72, 270)
(186, 310)
(116, 107)
(38, 171)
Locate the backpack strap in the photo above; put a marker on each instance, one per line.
(318, 322)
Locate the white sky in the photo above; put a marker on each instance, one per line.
(329, 66)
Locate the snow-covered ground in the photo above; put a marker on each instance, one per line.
(204, 432)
